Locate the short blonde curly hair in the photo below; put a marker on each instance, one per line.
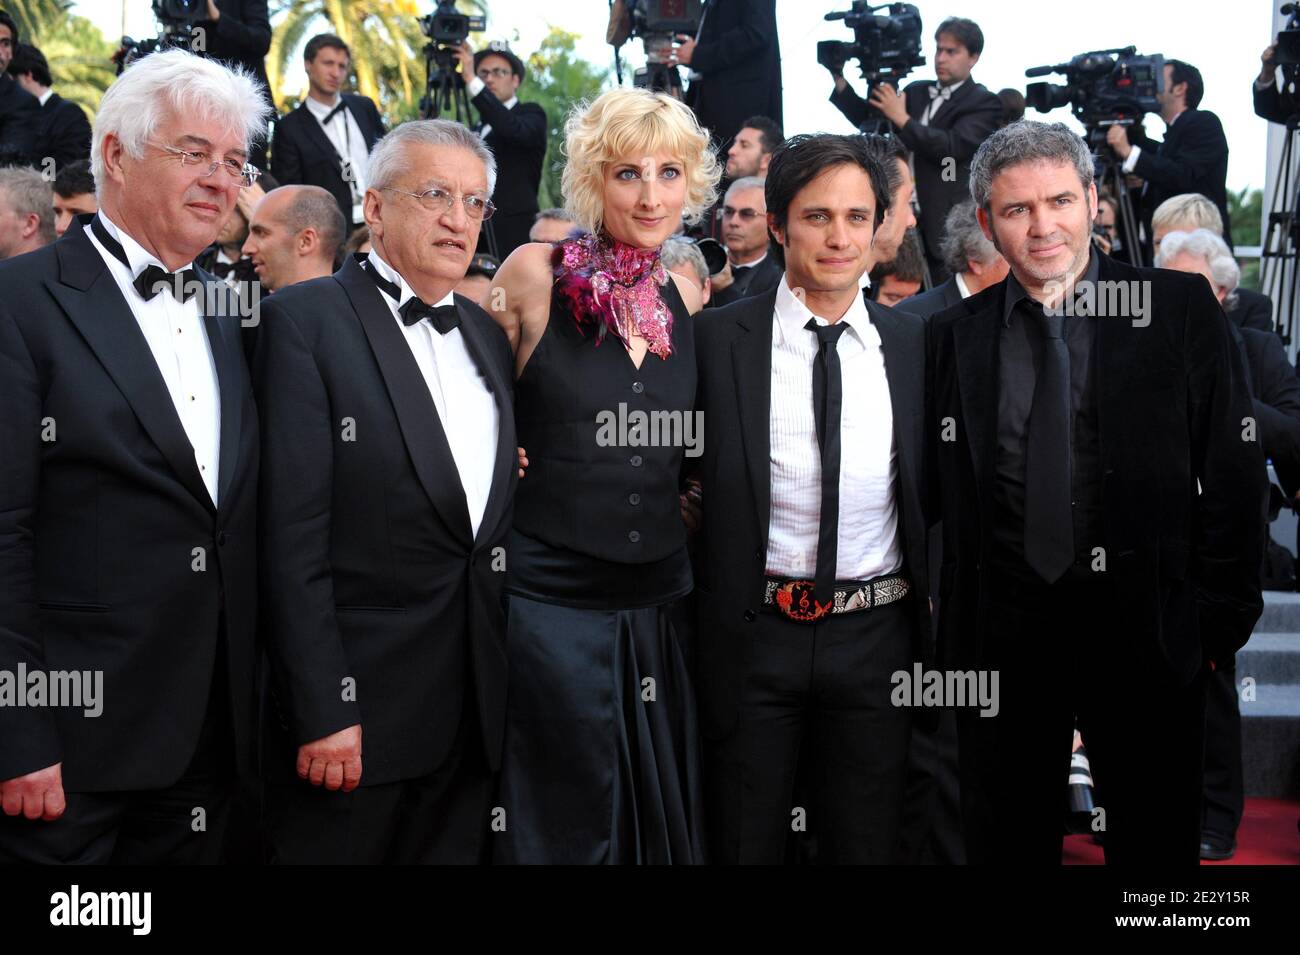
(622, 122)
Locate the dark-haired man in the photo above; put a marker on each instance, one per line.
(326, 141)
(74, 194)
(64, 132)
(942, 122)
(751, 151)
(1193, 156)
(20, 113)
(901, 277)
(812, 575)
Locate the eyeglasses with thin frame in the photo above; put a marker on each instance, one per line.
(749, 215)
(246, 174)
(440, 200)
(501, 71)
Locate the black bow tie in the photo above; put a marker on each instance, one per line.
(443, 317)
(148, 283)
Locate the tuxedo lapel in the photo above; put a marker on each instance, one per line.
(502, 390)
(975, 342)
(226, 357)
(94, 304)
(751, 358)
(417, 416)
(316, 134)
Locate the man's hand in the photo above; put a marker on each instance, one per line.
(681, 56)
(722, 279)
(37, 795)
(1102, 242)
(1117, 139)
(523, 460)
(692, 500)
(248, 199)
(1268, 64)
(334, 760)
(891, 104)
(213, 13)
(465, 55)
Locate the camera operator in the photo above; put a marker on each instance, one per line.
(942, 123)
(239, 32)
(1271, 103)
(735, 66)
(1193, 156)
(516, 134)
(20, 111)
(326, 141)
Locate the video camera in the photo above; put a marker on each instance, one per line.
(887, 47)
(1101, 88)
(448, 26)
(656, 24)
(177, 19)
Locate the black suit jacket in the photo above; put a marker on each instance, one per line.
(302, 155)
(739, 62)
(950, 139)
(927, 303)
(1171, 397)
(518, 141)
(112, 555)
(64, 132)
(1273, 104)
(1275, 393)
(754, 281)
(20, 120)
(371, 571)
(1192, 158)
(1253, 310)
(734, 355)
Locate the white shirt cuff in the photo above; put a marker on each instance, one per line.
(1132, 159)
(1263, 84)
(475, 86)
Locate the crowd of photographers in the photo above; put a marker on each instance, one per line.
(1165, 204)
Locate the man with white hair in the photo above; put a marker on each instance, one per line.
(26, 211)
(968, 255)
(1191, 210)
(1275, 394)
(387, 480)
(128, 492)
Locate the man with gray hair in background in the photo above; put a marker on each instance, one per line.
(128, 492)
(752, 267)
(26, 211)
(970, 258)
(387, 485)
(1102, 494)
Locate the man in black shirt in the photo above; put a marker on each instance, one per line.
(1103, 515)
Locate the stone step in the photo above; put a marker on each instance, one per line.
(1281, 613)
(1272, 658)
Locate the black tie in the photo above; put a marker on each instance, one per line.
(182, 284)
(828, 400)
(1049, 527)
(443, 317)
(334, 112)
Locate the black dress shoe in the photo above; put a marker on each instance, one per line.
(1216, 847)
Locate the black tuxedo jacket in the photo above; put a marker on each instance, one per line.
(733, 350)
(1273, 104)
(302, 155)
(20, 121)
(1253, 310)
(1192, 158)
(1172, 401)
(64, 132)
(371, 574)
(927, 303)
(753, 281)
(1275, 393)
(739, 61)
(112, 555)
(242, 36)
(952, 137)
(518, 141)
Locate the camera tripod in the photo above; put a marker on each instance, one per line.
(1279, 276)
(1108, 171)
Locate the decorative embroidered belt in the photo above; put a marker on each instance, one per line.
(795, 598)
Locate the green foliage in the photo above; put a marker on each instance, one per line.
(1244, 211)
(80, 58)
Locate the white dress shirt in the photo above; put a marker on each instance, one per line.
(476, 86)
(45, 97)
(961, 286)
(454, 381)
(178, 340)
(868, 526)
(937, 101)
(348, 140)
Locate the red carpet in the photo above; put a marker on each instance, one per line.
(1268, 836)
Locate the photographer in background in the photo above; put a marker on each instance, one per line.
(20, 112)
(1273, 104)
(735, 66)
(516, 134)
(942, 123)
(1193, 156)
(64, 132)
(239, 32)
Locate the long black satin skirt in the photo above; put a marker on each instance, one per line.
(602, 756)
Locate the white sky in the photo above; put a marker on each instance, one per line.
(1222, 40)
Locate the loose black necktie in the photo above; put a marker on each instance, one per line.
(334, 112)
(828, 401)
(1049, 526)
(443, 317)
(182, 284)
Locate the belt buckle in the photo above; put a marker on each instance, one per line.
(797, 600)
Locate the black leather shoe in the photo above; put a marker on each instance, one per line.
(1216, 847)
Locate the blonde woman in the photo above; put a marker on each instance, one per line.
(601, 760)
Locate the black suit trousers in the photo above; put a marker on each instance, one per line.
(1224, 785)
(819, 691)
(1059, 660)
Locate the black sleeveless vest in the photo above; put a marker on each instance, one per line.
(605, 439)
